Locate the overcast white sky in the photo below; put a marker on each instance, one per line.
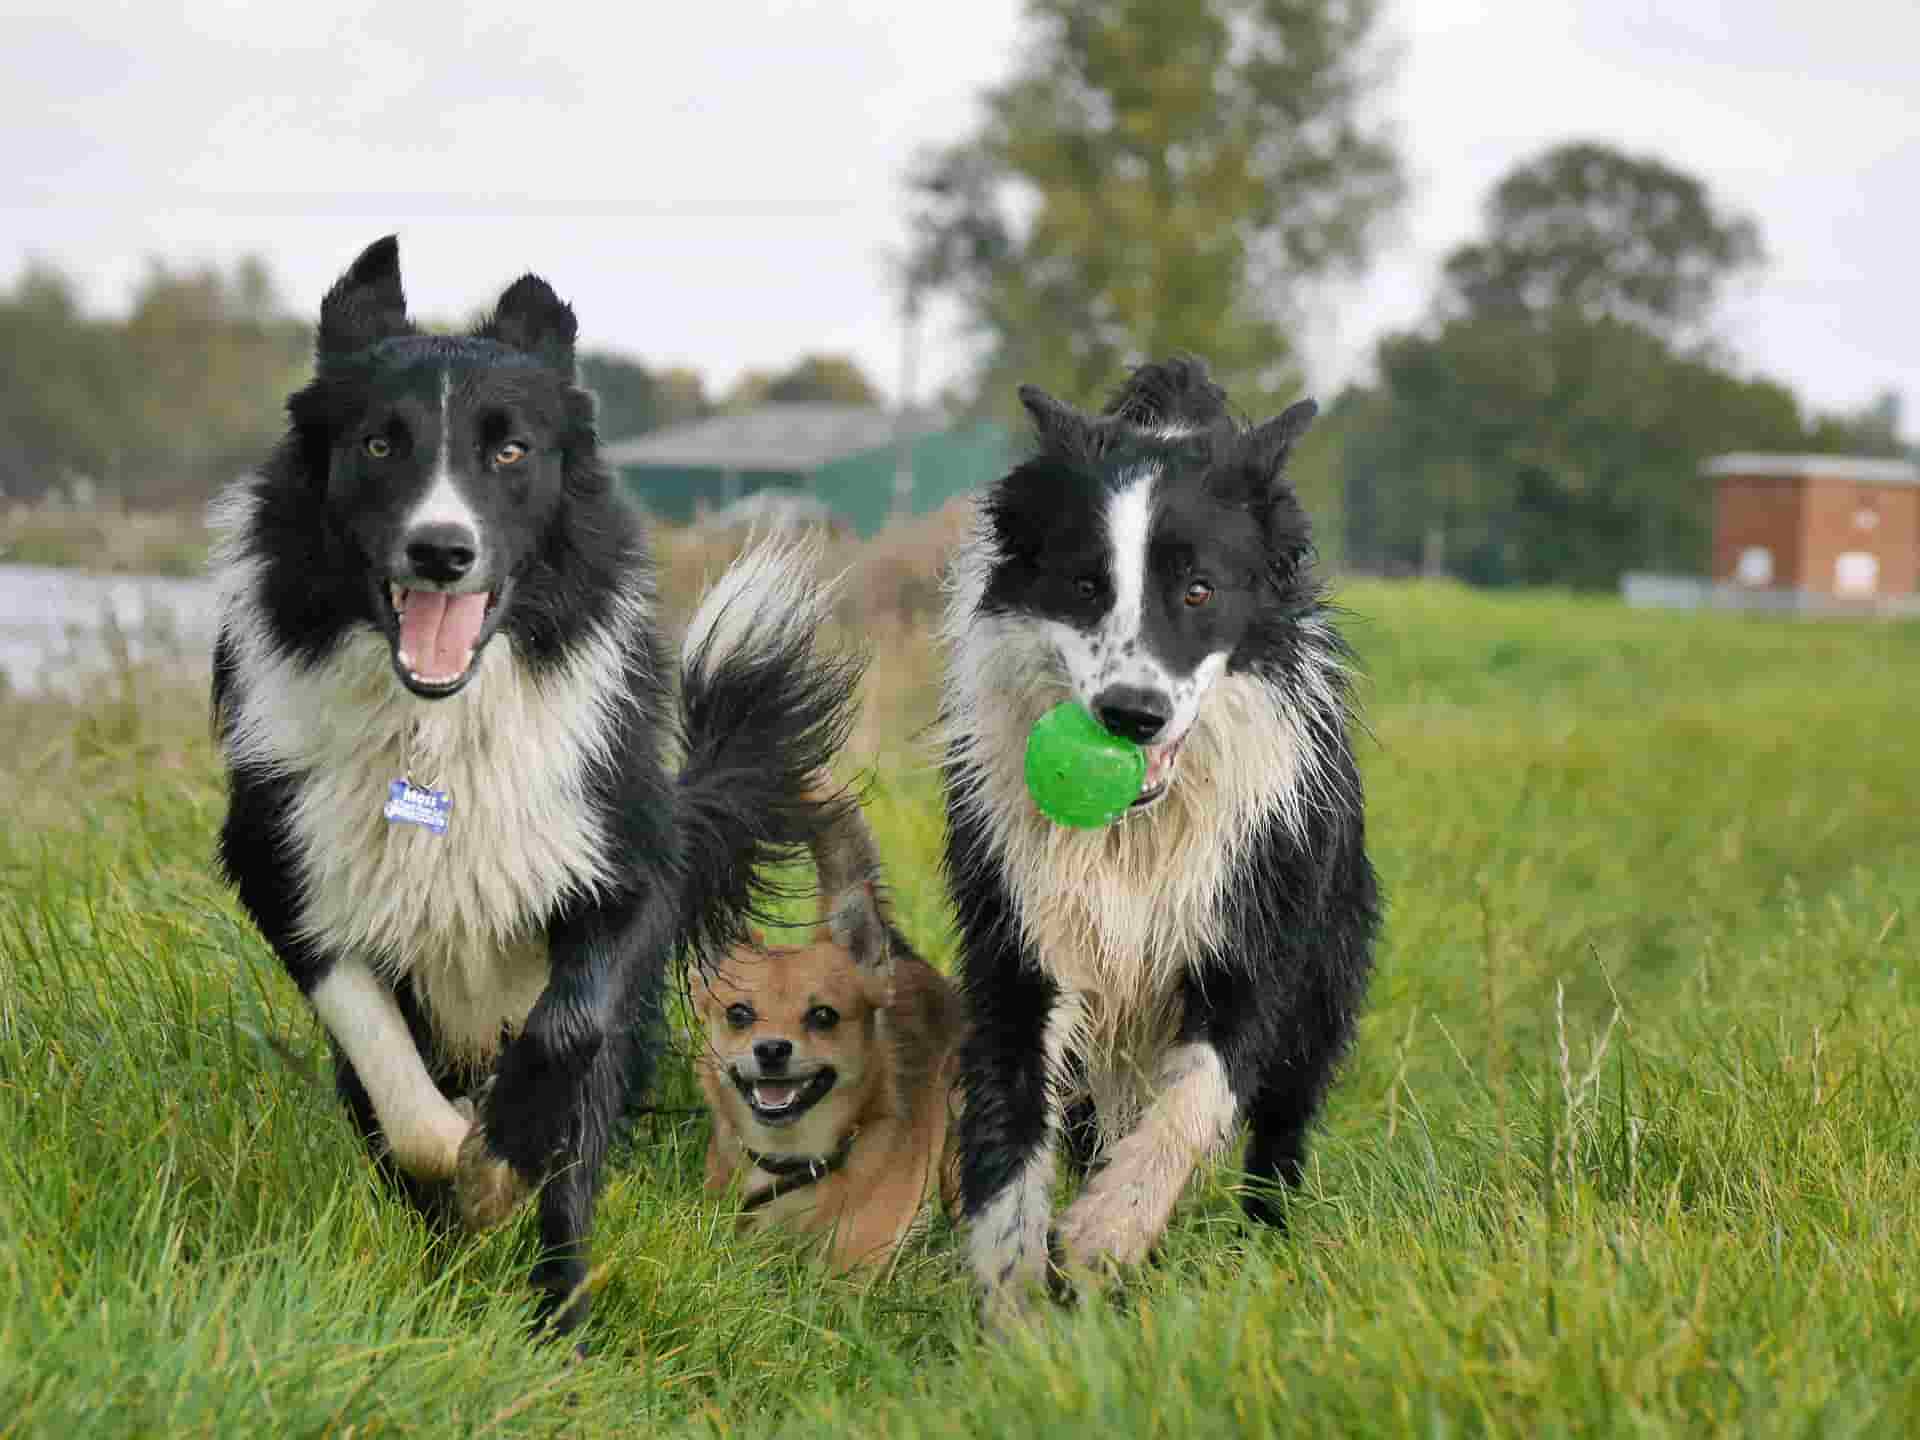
(718, 185)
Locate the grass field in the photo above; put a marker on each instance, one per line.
(1628, 1146)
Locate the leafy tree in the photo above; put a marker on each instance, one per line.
(634, 399)
(682, 395)
(1564, 452)
(154, 410)
(812, 379)
(1874, 430)
(834, 379)
(211, 358)
(626, 391)
(58, 397)
(1612, 235)
(1547, 425)
(1159, 177)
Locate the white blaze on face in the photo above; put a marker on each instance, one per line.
(1117, 651)
(1113, 652)
(443, 504)
(1129, 529)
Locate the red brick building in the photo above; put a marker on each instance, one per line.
(1819, 529)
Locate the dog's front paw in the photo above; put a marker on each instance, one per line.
(487, 1188)
(1005, 1308)
(1108, 1226)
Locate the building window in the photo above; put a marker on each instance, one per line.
(1755, 566)
(1856, 572)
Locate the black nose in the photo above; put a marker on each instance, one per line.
(772, 1054)
(1132, 712)
(442, 552)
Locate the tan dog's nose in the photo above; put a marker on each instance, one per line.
(772, 1054)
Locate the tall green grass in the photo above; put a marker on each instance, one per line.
(1627, 1146)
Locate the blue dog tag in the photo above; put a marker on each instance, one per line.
(411, 804)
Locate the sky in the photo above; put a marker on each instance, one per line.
(720, 185)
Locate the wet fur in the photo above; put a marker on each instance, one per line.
(1198, 965)
(494, 993)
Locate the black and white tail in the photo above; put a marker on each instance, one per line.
(763, 712)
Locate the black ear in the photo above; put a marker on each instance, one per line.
(531, 318)
(365, 305)
(1271, 441)
(1059, 426)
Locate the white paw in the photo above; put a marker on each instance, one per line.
(1108, 1225)
(488, 1188)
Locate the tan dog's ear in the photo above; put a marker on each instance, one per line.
(860, 929)
(844, 854)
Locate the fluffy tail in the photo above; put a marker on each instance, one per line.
(762, 714)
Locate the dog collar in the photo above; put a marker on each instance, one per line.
(795, 1172)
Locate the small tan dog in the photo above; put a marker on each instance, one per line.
(829, 1067)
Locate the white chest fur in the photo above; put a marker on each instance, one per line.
(1117, 915)
(463, 913)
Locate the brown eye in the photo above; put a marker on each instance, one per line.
(1198, 593)
(378, 447)
(740, 1016)
(511, 453)
(822, 1017)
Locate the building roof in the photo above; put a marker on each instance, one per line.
(1857, 468)
(773, 437)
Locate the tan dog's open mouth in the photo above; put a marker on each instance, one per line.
(783, 1099)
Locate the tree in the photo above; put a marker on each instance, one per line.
(626, 392)
(1589, 228)
(1159, 177)
(812, 379)
(157, 409)
(1506, 451)
(1874, 429)
(1547, 424)
(833, 379)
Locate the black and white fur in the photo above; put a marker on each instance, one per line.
(491, 992)
(1198, 964)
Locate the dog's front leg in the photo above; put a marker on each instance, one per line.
(560, 1086)
(1009, 1119)
(1125, 1206)
(421, 1129)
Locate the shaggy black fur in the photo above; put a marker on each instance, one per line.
(309, 570)
(1277, 999)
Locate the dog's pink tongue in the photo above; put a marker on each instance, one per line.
(437, 631)
(775, 1092)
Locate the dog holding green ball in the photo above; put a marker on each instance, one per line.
(1155, 827)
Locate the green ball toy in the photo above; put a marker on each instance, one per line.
(1078, 774)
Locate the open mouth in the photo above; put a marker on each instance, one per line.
(437, 635)
(1161, 760)
(784, 1100)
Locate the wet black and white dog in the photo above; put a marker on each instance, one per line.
(442, 699)
(1198, 964)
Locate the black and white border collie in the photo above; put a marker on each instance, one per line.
(442, 699)
(1198, 964)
